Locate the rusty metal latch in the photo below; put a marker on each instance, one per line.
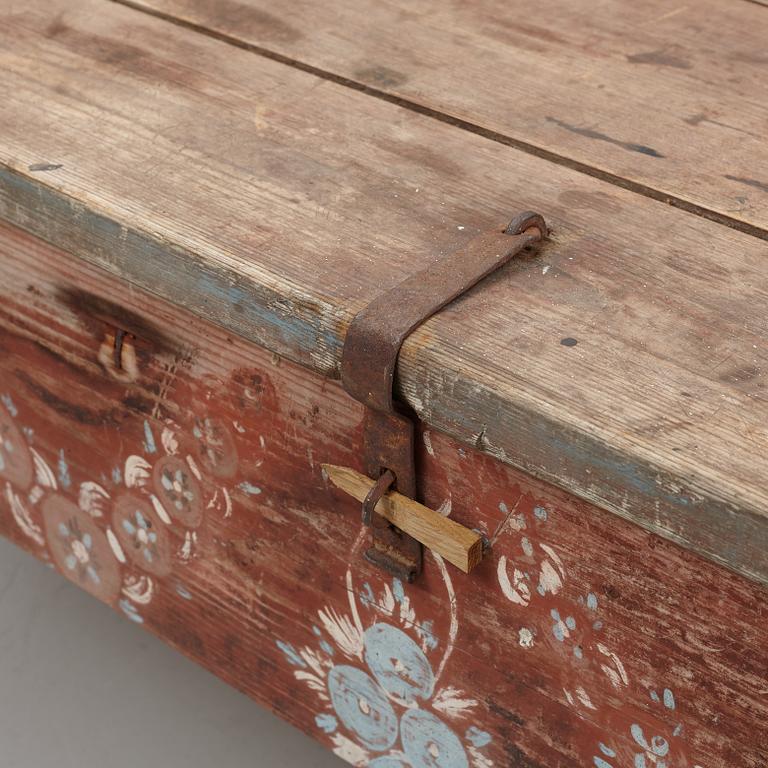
(368, 363)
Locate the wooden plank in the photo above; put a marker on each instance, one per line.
(276, 205)
(672, 100)
(578, 629)
(456, 543)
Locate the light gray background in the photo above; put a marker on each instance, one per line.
(81, 687)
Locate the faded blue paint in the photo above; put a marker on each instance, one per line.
(600, 763)
(130, 611)
(64, 477)
(327, 723)
(429, 743)
(149, 439)
(557, 627)
(397, 663)
(658, 745)
(362, 707)
(7, 401)
(628, 473)
(541, 513)
(367, 597)
(327, 647)
(669, 699)
(263, 315)
(117, 476)
(388, 761)
(397, 590)
(291, 654)
(426, 634)
(183, 592)
(477, 738)
(592, 601)
(249, 488)
(527, 546)
(294, 330)
(606, 750)
(147, 260)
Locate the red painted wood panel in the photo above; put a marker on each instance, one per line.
(185, 490)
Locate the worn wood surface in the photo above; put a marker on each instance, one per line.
(625, 361)
(454, 542)
(580, 638)
(670, 99)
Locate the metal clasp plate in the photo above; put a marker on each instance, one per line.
(368, 363)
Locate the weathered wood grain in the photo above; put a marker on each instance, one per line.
(578, 630)
(670, 99)
(276, 205)
(456, 543)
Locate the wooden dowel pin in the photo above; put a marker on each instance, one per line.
(456, 543)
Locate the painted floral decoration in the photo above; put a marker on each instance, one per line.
(81, 558)
(382, 703)
(216, 446)
(654, 746)
(144, 538)
(80, 548)
(141, 534)
(178, 490)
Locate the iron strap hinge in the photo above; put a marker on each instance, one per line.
(368, 363)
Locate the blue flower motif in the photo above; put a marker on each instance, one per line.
(398, 664)
(362, 707)
(429, 743)
(654, 748)
(381, 708)
(80, 559)
(144, 538)
(141, 533)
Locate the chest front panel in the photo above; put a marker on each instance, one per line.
(174, 472)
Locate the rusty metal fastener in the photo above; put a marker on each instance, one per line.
(118, 351)
(383, 484)
(369, 358)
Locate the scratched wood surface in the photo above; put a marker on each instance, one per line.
(185, 490)
(668, 98)
(624, 361)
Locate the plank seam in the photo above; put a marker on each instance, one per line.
(465, 125)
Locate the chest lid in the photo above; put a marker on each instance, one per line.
(622, 361)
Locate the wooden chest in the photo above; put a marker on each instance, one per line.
(197, 201)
